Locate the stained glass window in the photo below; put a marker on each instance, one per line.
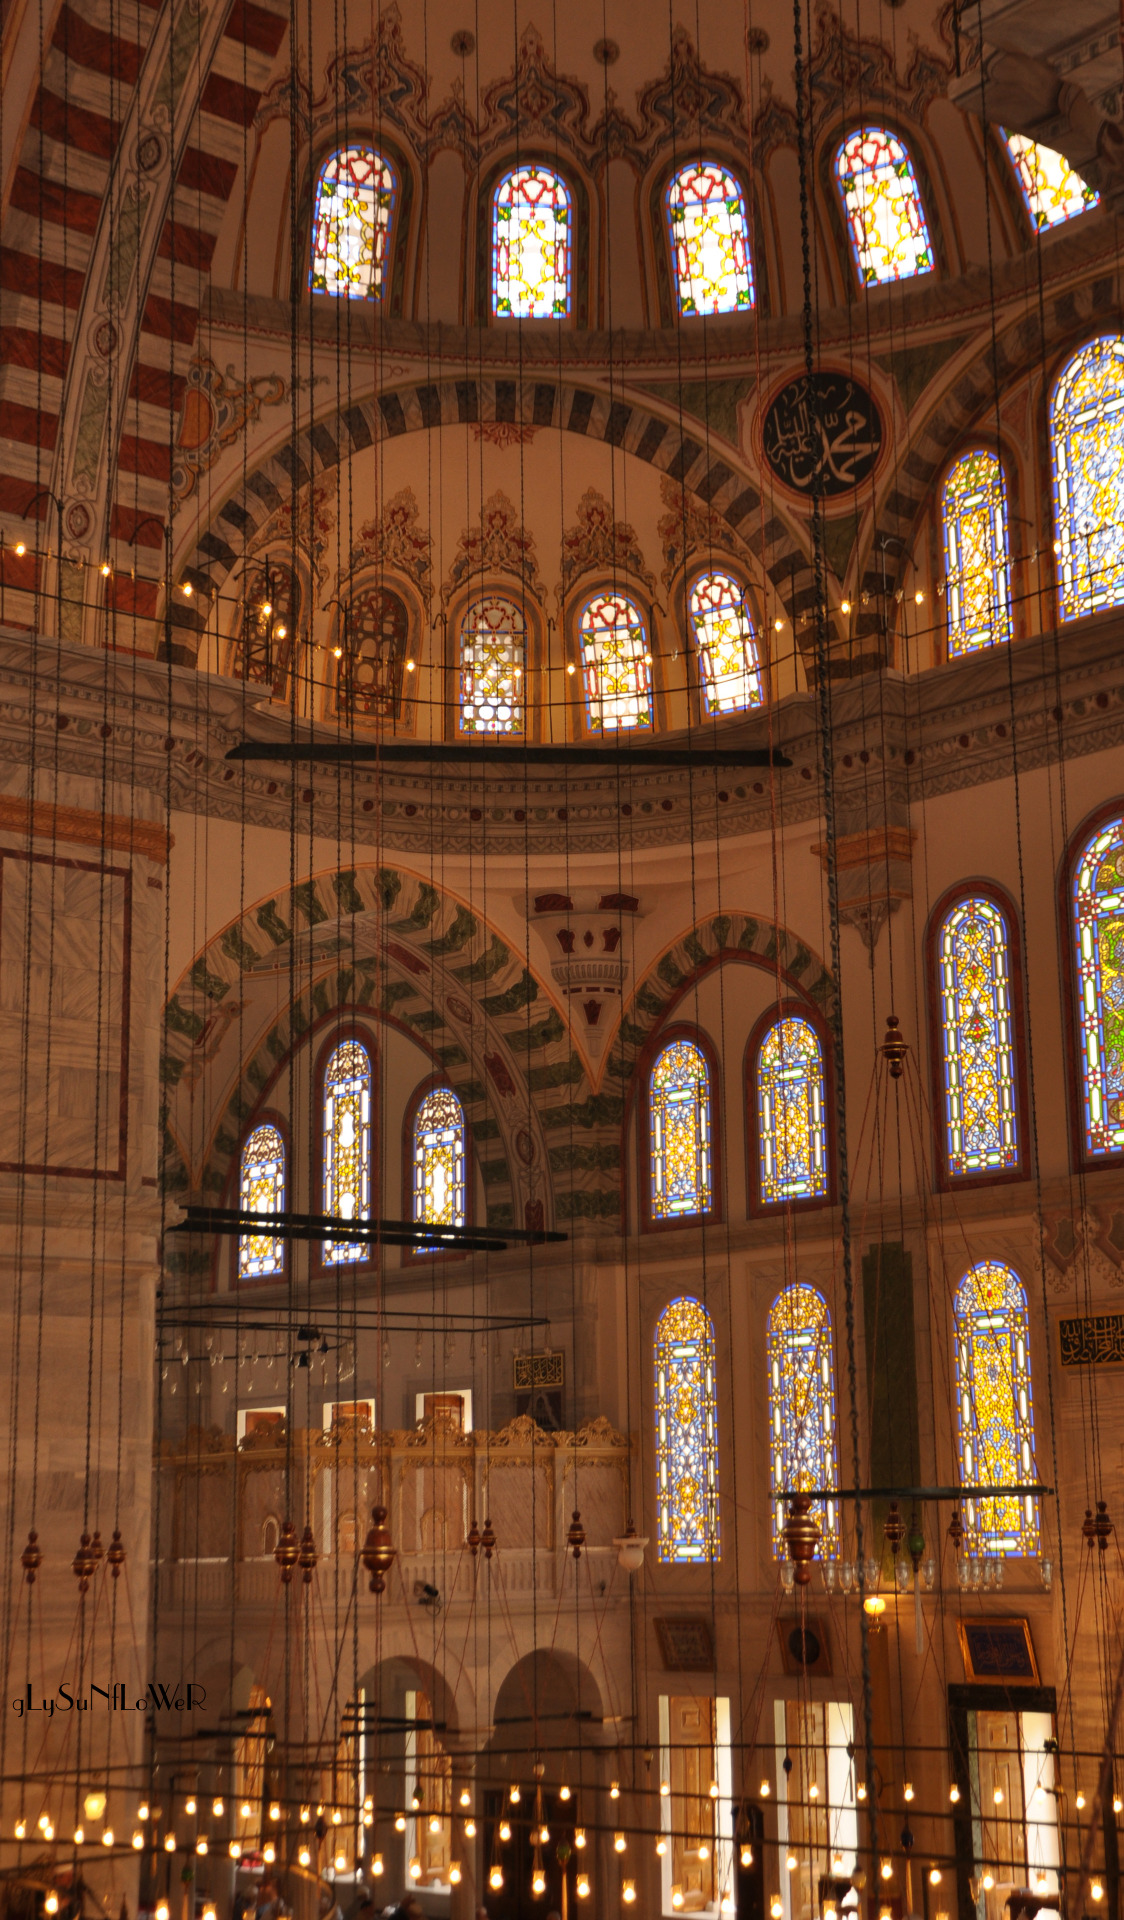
(1087, 443)
(438, 1155)
(616, 664)
(375, 637)
(493, 649)
(686, 1434)
(532, 221)
(977, 1039)
(976, 555)
(994, 1411)
(1052, 190)
(802, 1446)
(355, 197)
(791, 1113)
(347, 1145)
(679, 1124)
(728, 663)
(709, 240)
(1098, 907)
(261, 1189)
(884, 211)
(271, 609)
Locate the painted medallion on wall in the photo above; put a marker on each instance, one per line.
(823, 433)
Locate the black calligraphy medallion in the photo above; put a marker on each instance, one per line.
(823, 433)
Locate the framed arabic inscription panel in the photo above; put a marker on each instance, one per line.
(822, 434)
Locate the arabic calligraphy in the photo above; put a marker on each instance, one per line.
(1093, 1340)
(823, 433)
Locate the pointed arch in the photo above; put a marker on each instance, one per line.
(995, 1409)
(686, 1409)
(978, 1054)
(680, 1172)
(437, 1158)
(977, 553)
(347, 1121)
(803, 1451)
(262, 1186)
(788, 1098)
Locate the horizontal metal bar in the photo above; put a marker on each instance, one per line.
(535, 753)
(910, 1493)
(286, 1224)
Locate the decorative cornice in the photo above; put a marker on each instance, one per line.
(76, 827)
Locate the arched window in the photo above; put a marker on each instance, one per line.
(977, 557)
(1098, 915)
(375, 637)
(616, 664)
(791, 1113)
(271, 611)
(994, 1411)
(709, 240)
(1053, 192)
(532, 223)
(728, 664)
(884, 213)
(802, 1448)
(439, 1160)
(355, 196)
(347, 1145)
(686, 1434)
(977, 1039)
(261, 1189)
(682, 1178)
(493, 658)
(1087, 444)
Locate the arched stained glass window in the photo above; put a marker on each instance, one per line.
(355, 196)
(532, 221)
(709, 240)
(977, 1039)
(802, 1446)
(994, 1410)
(976, 554)
(438, 1158)
(679, 1133)
(347, 1145)
(375, 635)
(884, 212)
(686, 1434)
(1087, 444)
(1098, 911)
(493, 650)
(261, 1189)
(616, 664)
(791, 1114)
(271, 613)
(1052, 190)
(728, 664)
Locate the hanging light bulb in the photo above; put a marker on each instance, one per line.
(614, 1790)
(51, 1903)
(201, 1844)
(454, 1873)
(860, 1790)
(934, 1876)
(997, 1796)
(1096, 1891)
(340, 1862)
(764, 1789)
(514, 1795)
(538, 1882)
(579, 1838)
(661, 1847)
(583, 1878)
(189, 1804)
(776, 1907)
(628, 1892)
(563, 1791)
(274, 1810)
(245, 1810)
(434, 1823)
(677, 1898)
(79, 1836)
(107, 1836)
(813, 1791)
(1079, 1802)
(704, 1851)
(377, 1867)
(44, 1821)
(269, 1853)
(209, 1911)
(143, 1810)
(886, 1870)
(505, 1830)
(746, 1855)
(954, 1794)
(791, 1862)
(169, 1843)
(1117, 1803)
(337, 1817)
(988, 1882)
(235, 1850)
(466, 1797)
(304, 1856)
(162, 1910)
(665, 1789)
(544, 1836)
(495, 1879)
(218, 1807)
(368, 1818)
(415, 1803)
(138, 1840)
(908, 1791)
(470, 1829)
(399, 1823)
(619, 1842)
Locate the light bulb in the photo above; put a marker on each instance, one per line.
(544, 1836)
(340, 1863)
(201, 1844)
(162, 1911)
(169, 1843)
(563, 1791)
(677, 1898)
(49, 1832)
(704, 1851)
(764, 1789)
(189, 1805)
(908, 1795)
(337, 1817)
(235, 1850)
(729, 1907)
(714, 1790)
(79, 1836)
(570, 669)
(399, 1823)
(274, 1810)
(1117, 1803)
(538, 1881)
(187, 589)
(410, 664)
(1042, 1884)
(505, 1830)
(579, 1837)
(1079, 1802)
(776, 1907)
(44, 1821)
(269, 1853)
(583, 1886)
(988, 1882)
(830, 1913)
(245, 1811)
(142, 1810)
(495, 1879)
(661, 1846)
(628, 1892)
(997, 1796)
(138, 1840)
(209, 1911)
(813, 1791)
(918, 597)
(614, 1790)
(665, 1789)
(514, 1795)
(791, 1863)
(746, 1856)
(1096, 1891)
(20, 548)
(94, 1804)
(454, 1873)
(845, 606)
(778, 623)
(368, 1803)
(954, 1794)
(934, 1876)
(217, 1807)
(470, 1829)
(51, 1903)
(304, 1856)
(368, 1819)
(619, 1843)
(377, 1867)
(886, 1870)
(466, 1797)
(860, 1790)
(107, 1836)
(434, 1823)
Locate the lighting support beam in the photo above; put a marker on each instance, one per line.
(329, 1226)
(524, 759)
(908, 1493)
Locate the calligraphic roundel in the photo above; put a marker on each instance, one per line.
(822, 434)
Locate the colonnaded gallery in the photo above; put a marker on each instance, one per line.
(562, 959)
